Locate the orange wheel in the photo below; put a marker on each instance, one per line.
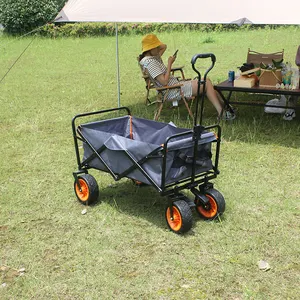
(215, 207)
(83, 193)
(87, 191)
(181, 221)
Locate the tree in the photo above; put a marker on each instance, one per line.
(22, 16)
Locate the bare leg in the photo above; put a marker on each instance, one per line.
(211, 94)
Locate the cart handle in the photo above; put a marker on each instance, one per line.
(203, 82)
(203, 55)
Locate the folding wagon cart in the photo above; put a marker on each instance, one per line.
(169, 158)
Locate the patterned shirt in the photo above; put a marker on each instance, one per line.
(155, 67)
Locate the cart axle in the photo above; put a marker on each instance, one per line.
(201, 197)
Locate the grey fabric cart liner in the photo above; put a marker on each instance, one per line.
(142, 139)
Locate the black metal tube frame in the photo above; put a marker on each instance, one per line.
(164, 189)
(136, 164)
(225, 87)
(193, 180)
(82, 166)
(75, 137)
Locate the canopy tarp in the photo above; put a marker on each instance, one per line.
(187, 11)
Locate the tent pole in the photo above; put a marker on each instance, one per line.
(118, 68)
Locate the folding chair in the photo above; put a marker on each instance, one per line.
(149, 84)
(256, 57)
(294, 99)
(266, 58)
(297, 59)
(162, 97)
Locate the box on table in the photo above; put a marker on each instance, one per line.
(244, 81)
(269, 78)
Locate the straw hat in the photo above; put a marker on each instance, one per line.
(150, 41)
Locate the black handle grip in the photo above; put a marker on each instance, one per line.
(203, 55)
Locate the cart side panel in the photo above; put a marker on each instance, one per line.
(128, 149)
(118, 155)
(153, 132)
(116, 126)
(181, 166)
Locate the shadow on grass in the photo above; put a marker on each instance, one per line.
(252, 124)
(140, 202)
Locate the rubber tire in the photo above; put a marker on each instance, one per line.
(217, 205)
(183, 218)
(90, 190)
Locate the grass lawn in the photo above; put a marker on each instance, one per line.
(121, 248)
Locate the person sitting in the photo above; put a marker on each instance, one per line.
(150, 60)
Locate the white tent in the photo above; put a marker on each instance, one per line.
(187, 11)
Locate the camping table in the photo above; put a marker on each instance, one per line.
(227, 86)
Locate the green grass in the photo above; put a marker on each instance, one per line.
(122, 249)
